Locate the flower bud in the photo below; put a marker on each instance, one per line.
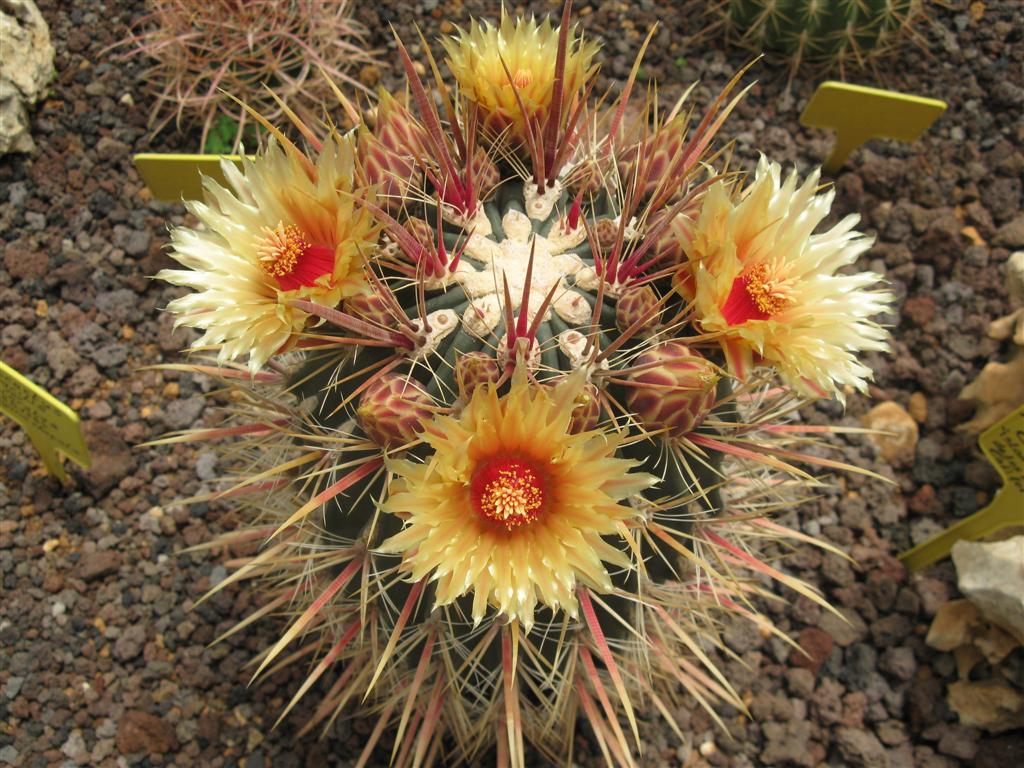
(392, 410)
(637, 302)
(672, 388)
(370, 307)
(473, 369)
(605, 233)
(388, 152)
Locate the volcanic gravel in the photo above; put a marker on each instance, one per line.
(104, 655)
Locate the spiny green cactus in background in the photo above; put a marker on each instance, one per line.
(831, 33)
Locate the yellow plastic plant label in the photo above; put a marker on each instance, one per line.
(858, 113)
(1003, 444)
(173, 178)
(52, 427)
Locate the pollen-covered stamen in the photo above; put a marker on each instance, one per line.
(754, 296)
(509, 491)
(287, 256)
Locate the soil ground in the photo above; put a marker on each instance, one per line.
(104, 660)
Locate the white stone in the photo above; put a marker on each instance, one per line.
(896, 435)
(1015, 278)
(991, 575)
(25, 69)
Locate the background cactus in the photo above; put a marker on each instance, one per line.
(201, 52)
(508, 478)
(831, 33)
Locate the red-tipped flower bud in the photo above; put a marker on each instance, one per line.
(371, 307)
(671, 388)
(392, 410)
(473, 369)
(637, 303)
(389, 151)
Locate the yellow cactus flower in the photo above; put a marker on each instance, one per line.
(768, 287)
(529, 51)
(283, 229)
(512, 507)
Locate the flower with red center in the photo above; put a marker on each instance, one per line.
(285, 228)
(512, 507)
(478, 58)
(754, 296)
(768, 288)
(291, 260)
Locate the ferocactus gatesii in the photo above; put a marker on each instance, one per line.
(513, 392)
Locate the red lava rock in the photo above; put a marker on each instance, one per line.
(855, 705)
(156, 259)
(941, 243)
(816, 753)
(999, 751)
(53, 582)
(111, 457)
(919, 309)
(959, 741)
(194, 534)
(25, 262)
(141, 732)
(1011, 234)
(925, 501)
(933, 593)
(818, 645)
(926, 702)
(891, 567)
(16, 357)
(979, 216)
(826, 703)
(208, 727)
(860, 747)
(72, 273)
(95, 565)
(844, 633)
(111, 149)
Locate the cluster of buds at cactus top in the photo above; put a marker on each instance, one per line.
(514, 383)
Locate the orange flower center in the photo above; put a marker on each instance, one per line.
(754, 296)
(287, 256)
(508, 491)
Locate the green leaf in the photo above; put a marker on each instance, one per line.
(221, 138)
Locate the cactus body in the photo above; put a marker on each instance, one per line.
(512, 440)
(826, 32)
(469, 334)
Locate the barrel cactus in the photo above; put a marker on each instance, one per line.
(830, 33)
(513, 394)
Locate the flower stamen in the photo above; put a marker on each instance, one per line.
(508, 491)
(522, 78)
(754, 296)
(287, 256)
